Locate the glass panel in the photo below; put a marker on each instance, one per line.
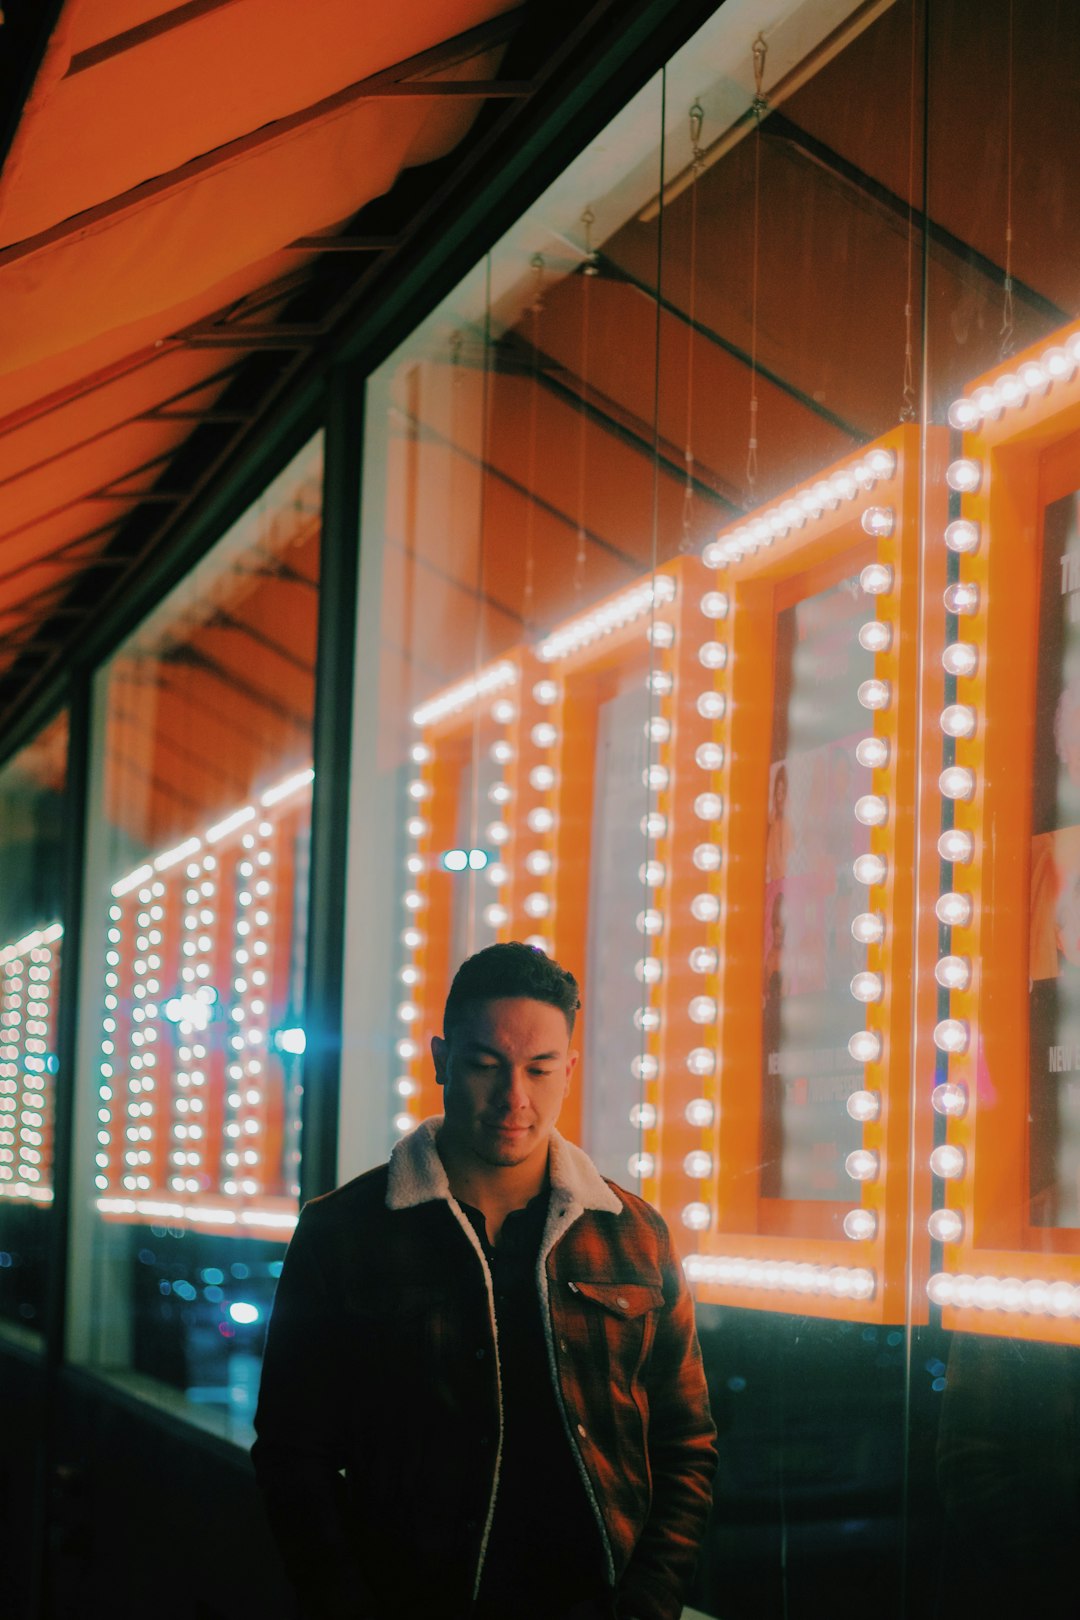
(32, 786)
(196, 917)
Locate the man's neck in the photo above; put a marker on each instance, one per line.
(495, 1190)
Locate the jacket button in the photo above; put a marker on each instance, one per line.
(623, 1304)
(563, 1345)
(581, 1431)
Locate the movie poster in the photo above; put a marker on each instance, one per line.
(809, 955)
(1055, 881)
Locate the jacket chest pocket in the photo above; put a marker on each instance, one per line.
(618, 1317)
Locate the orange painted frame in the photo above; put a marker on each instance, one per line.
(771, 1234)
(1030, 456)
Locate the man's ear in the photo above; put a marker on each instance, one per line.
(440, 1052)
(571, 1065)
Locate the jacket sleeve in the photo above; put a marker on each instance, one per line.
(682, 1461)
(299, 1450)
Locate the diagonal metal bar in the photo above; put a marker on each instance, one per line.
(130, 38)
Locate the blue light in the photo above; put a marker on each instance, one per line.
(243, 1313)
(293, 1041)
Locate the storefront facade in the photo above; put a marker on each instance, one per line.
(685, 588)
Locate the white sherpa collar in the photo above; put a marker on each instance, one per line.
(417, 1174)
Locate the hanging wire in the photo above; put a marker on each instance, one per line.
(758, 107)
(536, 308)
(697, 116)
(1008, 335)
(589, 269)
(907, 398)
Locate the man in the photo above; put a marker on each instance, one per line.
(482, 1394)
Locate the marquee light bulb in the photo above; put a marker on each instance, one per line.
(661, 634)
(642, 1166)
(811, 503)
(879, 521)
(711, 705)
(702, 1010)
(703, 959)
(868, 928)
(963, 536)
(705, 907)
(712, 654)
(715, 605)
(654, 825)
(874, 694)
(957, 782)
(946, 1225)
(958, 720)
(950, 1099)
(644, 1066)
(957, 846)
(698, 1164)
(843, 485)
(793, 514)
(868, 987)
(882, 463)
(962, 598)
(964, 475)
(869, 869)
(951, 1035)
(872, 809)
(876, 636)
(1034, 377)
(643, 1116)
(659, 682)
(656, 777)
(701, 1060)
(700, 1113)
(864, 1105)
(953, 972)
(960, 658)
(646, 1019)
(876, 579)
(1058, 363)
(713, 554)
(862, 1165)
(538, 863)
(546, 693)
(947, 1161)
(697, 1216)
(987, 401)
(542, 778)
(964, 414)
(544, 734)
(657, 729)
(707, 857)
(954, 910)
(860, 1224)
(708, 807)
(1011, 390)
(649, 922)
(872, 752)
(865, 1046)
(499, 793)
(652, 874)
(496, 916)
(709, 756)
(648, 970)
(537, 904)
(540, 820)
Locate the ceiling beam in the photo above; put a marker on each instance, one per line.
(130, 38)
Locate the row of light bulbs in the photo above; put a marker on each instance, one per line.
(26, 1020)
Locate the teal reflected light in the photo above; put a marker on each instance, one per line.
(461, 860)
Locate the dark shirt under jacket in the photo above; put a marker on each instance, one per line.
(544, 1552)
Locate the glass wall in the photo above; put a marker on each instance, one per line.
(716, 636)
(32, 786)
(192, 1020)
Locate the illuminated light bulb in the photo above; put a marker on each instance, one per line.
(650, 922)
(663, 588)
(715, 605)
(957, 846)
(987, 401)
(872, 752)
(709, 756)
(810, 503)
(538, 863)
(1063, 1299)
(698, 1164)
(496, 875)
(408, 1012)
(868, 928)
(964, 414)
(869, 869)
(403, 1123)
(697, 1216)
(1058, 363)
(419, 790)
(963, 536)
(642, 1165)
(1034, 377)
(542, 778)
(860, 1224)
(962, 599)
(708, 807)
(499, 793)
(661, 634)
(712, 554)
(950, 1099)
(844, 485)
(712, 654)
(413, 900)
(647, 1019)
(546, 693)
(868, 987)
(864, 1105)
(953, 972)
(874, 694)
(964, 475)
(705, 907)
(656, 777)
(700, 1113)
(420, 753)
(648, 970)
(865, 1046)
(503, 712)
(825, 495)
(1011, 390)
(657, 729)
(707, 857)
(947, 1161)
(872, 810)
(544, 735)
(951, 1035)
(540, 820)
(862, 1165)
(957, 782)
(880, 522)
(537, 904)
(659, 682)
(940, 1289)
(876, 636)
(777, 524)
(702, 1010)
(958, 720)
(876, 579)
(1036, 1296)
(701, 1060)
(711, 705)
(496, 916)
(652, 874)
(703, 959)
(954, 910)
(654, 825)
(644, 1067)
(862, 1284)
(497, 832)
(882, 463)
(862, 475)
(793, 514)
(406, 1049)
(412, 939)
(643, 1116)
(946, 1226)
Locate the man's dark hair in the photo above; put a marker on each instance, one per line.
(512, 969)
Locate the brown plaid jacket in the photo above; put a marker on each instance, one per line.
(379, 1422)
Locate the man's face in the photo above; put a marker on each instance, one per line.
(504, 1075)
